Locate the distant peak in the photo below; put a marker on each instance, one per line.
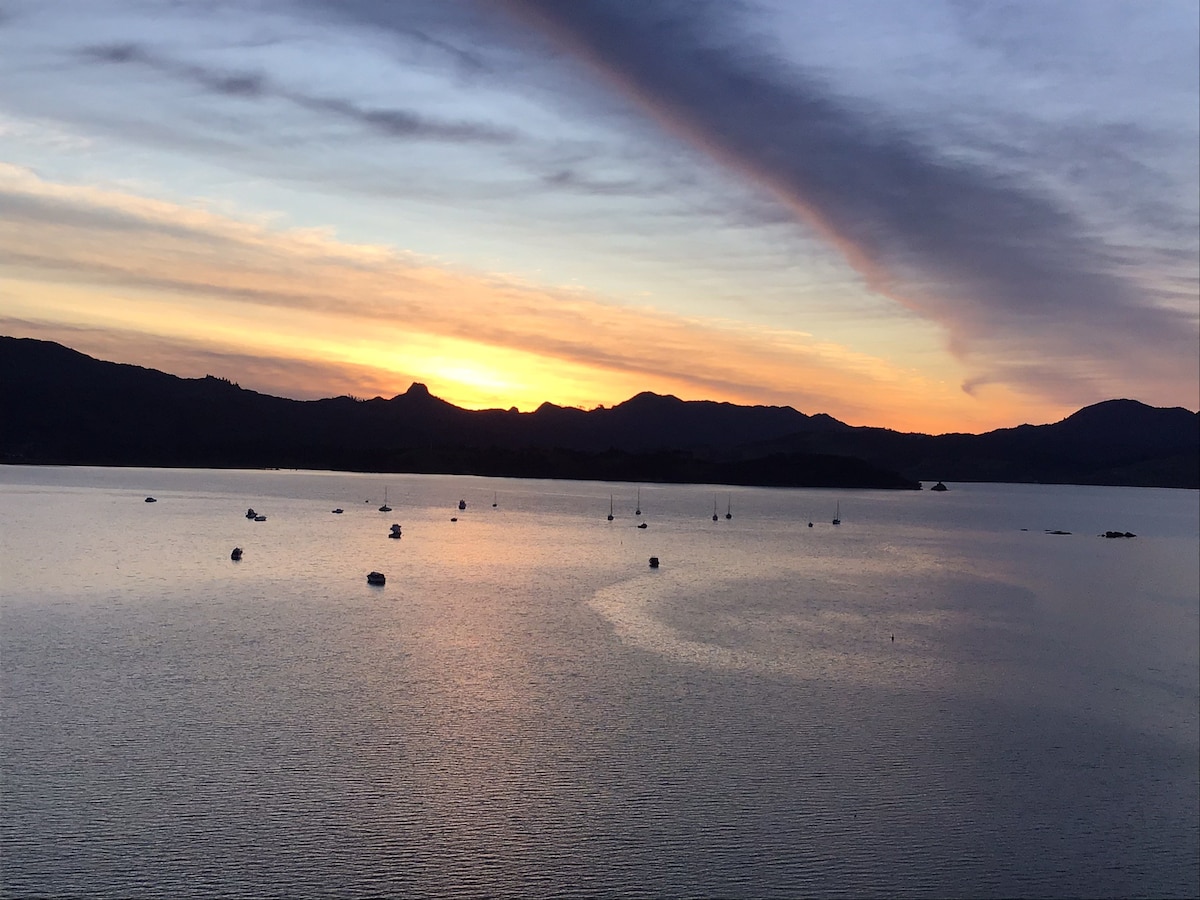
(418, 397)
(649, 398)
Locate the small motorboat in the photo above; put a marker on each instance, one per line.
(462, 504)
(395, 532)
(376, 578)
(236, 554)
(643, 525)
(454, 518)
(260, 518)
(654, 562)
(250, 513)
(151, 500)
(338, 511)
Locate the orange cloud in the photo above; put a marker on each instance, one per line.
(367, 319)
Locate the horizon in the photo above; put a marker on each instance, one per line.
(932, 218)
(421, 387)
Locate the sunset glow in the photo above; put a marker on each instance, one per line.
(605, 217)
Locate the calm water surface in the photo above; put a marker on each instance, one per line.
(527, 709)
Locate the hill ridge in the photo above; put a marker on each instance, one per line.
(58, 405)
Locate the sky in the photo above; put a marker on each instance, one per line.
(927, 215)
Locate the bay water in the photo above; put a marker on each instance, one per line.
(938, 697)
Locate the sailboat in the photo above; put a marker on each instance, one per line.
(494, 501)
(385, 507)
(610, 508)
(638, 511)
(729, 509)
(714, 509)
(837, 516)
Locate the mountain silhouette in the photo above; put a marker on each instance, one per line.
(59, 406)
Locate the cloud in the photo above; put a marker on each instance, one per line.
(1027, 294)
(391, 122)
(211, 279)
(278, 375)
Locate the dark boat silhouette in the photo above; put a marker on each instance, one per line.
(385, 507)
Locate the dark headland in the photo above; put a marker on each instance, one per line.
(58, 406)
